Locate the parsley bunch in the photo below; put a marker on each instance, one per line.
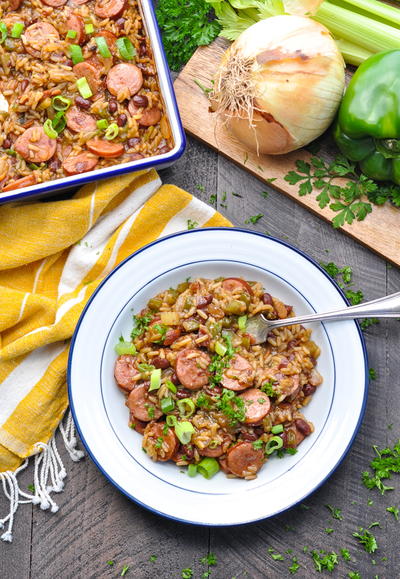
(351, 201)
(185, 25)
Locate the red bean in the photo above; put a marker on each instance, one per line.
(112, 107)
(69, 63)
(187, 450)
(24, 85)
(140, 100)
(267, 299)
(54, 164)
(120, 22)
(82, 103)
(160, 362)
(122, 119)
(248, 435)
(182, 393)
(174, 379)
(142, 48)
(7, 144)
(303, 426)
(308, 390)
(204, 301)
(213, 391)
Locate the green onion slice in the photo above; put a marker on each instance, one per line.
(17, 30)
(83, 86)
(220, 349)
(102, 124)
(125, 348)
(171, 420)
(167, 404)
(76, 53)
(10, 152)
(274, 443)
(72, 34)
(242, 322)
(155, 379)
(125, 48)
(49, 130)
(192, 470)
(3, 32)
(103, 47)
(277, 429)
(208, 467)
(186, 407)
(59, 123)
(60, 103)
(89, 28)
(184, 431)
(111, 132)
(171, 386)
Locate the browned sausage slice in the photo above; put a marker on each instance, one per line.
(110, 38)
(231, 284)
(76, 22)
(14, 4)
(35, 146)
(19, 183)
(109, 8)
(78, 121)
(54, 3)
(124, 76)
(105, 149)
(244, 460)
(148, 116)
(192, 368)
(292, 437)
(239, 375)
(91, 72)
(125, 371)
(139, 405)
(78, 2)
(37, 36)
(257, 405)
(217, 451)
(159, 441)
(73, 165)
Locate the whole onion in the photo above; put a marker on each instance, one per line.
(279, 84)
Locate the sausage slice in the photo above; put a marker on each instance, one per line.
(104, 148)
(73, 165)
(76, 22)
(231, 284)
(244, 460)
(239, 375)
(78, 121)
(159, 441)
(91, 72)
(37, 36)
(139, 405)
(54, 3)
(110, 38)
(124, 76)
(192, 368)
(148, 116)
(125, 371)
(109, 8)
(35, 146)
(257, 405)
(14, 4)
(19, 183)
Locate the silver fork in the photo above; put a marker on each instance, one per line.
(386, 307)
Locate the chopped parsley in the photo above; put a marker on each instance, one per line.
(219, 363)
(200, 188)
(372, 374)
(345, 554)
(150, 412)
(141, 323)
(258, 444)
(294, 567)
(191, 224)
(203, 401)
(336, 513)
(124, 571)
(209, 559)
(153, 558)
(329, 530)
(386, 463)
(111, 562)
(31, 488)
(187, 573)
(254, 218)
(275, 556)
(213, 199)
(353, 575)
(394, 511)
(268, 389)
(232, 406)
(324, 561)
(367, 322)
(366, 539)
(158, 444)
(162, 330)
(280, 453)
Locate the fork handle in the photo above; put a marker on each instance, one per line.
(386, 307)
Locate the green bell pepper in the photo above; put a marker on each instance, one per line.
(368, 126)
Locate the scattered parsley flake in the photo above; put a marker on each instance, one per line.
(386, 463)
(31, 488)
(323, 560)
(372, 374)
(336, 513)
(153, 558)
(268, 389)
(141, 323)
(370, 502)
(394, 511)
(288, 527)
(329, 530)
(305, 549)
(254, 218)
(191, 224)
(345, 554)
(213, 199)
(124, 571)
(390, 426)
(375, 524)
(110, 562)
(367, 322)
(366, 539)
(200, 188)
(258, 444)
(209, 559)
(277, 557)
(294, 567)
(353, 575)
(205, 575)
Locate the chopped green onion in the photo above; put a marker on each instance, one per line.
(103, 47)
(242, 322)
(33, 166)
(3, 32)
(274, 443)
(83, 86)
(277, 429)
(184, 431)
(76, 53)
(155, 379)
(192, 470)
(171, 386)
(48, 129)
(186, 407)
(89, 28)
(10, 152)
(171, 420)
(111, 132)
(102, 124)
(220, 349)
(59, 123)
(17, 30)
(125, 48)
(125, 348)
(72, 34)
(208, 467)
(60, 103)
(167, 404)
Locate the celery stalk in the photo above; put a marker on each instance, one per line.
(373, 9)
(358, 29)
(352, 53)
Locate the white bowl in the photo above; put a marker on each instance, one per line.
(101, 417)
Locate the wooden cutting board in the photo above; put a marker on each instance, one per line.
(380, 231)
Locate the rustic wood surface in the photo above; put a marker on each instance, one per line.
(380, 231)
(97, 524)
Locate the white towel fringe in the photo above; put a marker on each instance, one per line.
(48, 476)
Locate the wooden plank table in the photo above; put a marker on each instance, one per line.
(96, 523)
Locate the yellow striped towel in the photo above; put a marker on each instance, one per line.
(52, 257)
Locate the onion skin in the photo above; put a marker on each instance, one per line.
(296, 75)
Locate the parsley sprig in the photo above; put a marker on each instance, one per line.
(141, 323)
(366, 539)
(386, 462)
(352, 200)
